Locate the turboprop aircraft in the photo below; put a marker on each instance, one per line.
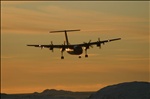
(73, 49)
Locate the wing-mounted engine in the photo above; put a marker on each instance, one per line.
(99, 43)
(51, 48)
(87, 45)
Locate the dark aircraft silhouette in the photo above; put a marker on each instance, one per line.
(74, 49)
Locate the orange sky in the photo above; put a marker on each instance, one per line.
(28, 69)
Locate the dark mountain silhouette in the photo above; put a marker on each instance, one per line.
(55, 92)
(128, 90)
(49, 94)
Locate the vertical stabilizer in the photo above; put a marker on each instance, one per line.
(66, 36)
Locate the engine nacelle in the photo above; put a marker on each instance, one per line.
(98, 44)
(51, 48)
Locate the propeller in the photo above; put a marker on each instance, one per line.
(87, 45)
(63, 48)
(51, 48)
(99, 43)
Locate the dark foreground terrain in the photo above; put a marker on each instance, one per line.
(49, 94)
(128, 90)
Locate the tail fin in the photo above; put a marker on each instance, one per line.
(67, 41)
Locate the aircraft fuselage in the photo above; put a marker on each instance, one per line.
(76, 50)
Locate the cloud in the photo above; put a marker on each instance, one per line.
(133, 59)
(40, 19)
(32, 18)
(8, 57)
(16, 20)
(34, 88)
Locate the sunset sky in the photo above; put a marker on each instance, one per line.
(29, 69)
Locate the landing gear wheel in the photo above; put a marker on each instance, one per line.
(79, 56)
(86, 56)
(62, 57)
(86, 53)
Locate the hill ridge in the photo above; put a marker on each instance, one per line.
(126, 90)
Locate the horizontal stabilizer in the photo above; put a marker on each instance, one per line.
(114, 39)
(64, 31)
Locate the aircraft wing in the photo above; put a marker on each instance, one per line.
(98, 43)
(63, 46)
(52, 46)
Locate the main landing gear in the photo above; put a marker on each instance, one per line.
(62, 56)
(86, 55)
(79, 56)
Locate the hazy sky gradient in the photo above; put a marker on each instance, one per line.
(29, 69)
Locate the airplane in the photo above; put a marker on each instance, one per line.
(73, 49)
